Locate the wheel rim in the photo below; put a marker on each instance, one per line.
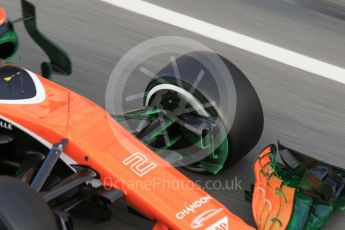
(190, 99)
(215, 161)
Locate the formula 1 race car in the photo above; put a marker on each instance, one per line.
(59, 150)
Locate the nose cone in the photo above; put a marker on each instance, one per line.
(2, 15)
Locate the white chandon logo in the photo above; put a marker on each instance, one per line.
(139, 164)
(192, 207)
(5, 125)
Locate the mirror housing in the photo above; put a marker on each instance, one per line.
(59, 62)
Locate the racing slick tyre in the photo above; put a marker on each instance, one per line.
(226, 94)
(21, 208)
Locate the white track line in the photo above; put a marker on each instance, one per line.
(229, 37)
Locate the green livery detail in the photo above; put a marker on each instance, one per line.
(8, 42)
(320, 188)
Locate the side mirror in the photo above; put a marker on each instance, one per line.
(59, 62)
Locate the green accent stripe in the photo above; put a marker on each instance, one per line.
(12, 37)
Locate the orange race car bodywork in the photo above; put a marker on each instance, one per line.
(2, 15)
(295, 191)
(122, 161)
(272, 200)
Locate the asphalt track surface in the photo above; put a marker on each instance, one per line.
(303, 110)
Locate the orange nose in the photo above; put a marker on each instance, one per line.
(2, 15)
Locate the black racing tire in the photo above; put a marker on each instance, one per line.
(245, 127)
(21, 208)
